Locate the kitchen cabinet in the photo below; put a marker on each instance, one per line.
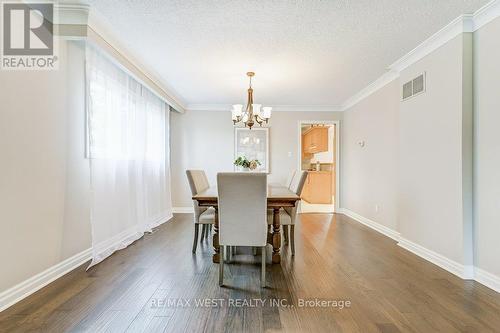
(305, 154)
(315, 140)
(318, 188)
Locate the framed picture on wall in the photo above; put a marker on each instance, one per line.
(254, 145)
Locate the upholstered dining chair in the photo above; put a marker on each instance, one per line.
(290, 177)
(288, 180)
(205, 216)
(288, 215)
(242, 200)
(288, 183)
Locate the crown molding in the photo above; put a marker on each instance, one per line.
(208, 107)
(77, 14)
(461, 24)
(78, 21)
(71, 14)
(276, 108)
(307, 108)
(102, 34)
(486, 14)
(370, 89)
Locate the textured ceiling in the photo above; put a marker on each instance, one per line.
(303, 52)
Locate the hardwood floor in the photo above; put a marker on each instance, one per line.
(389, 289)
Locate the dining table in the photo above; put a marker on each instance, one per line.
(278, 197)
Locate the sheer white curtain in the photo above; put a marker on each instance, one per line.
(128, 150)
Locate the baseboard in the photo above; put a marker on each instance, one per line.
(463, 271)
(489, 280)
(182, 210)
(22, 290)
(371, 224)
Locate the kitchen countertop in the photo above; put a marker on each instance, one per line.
(322, 171)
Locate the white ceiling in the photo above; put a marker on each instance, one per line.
(303, 52)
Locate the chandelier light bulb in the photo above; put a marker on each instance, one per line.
(237, 109)
(266, 112)
(256, 109)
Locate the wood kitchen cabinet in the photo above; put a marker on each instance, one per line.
(315, 140)
(305, 144)
(318, 188)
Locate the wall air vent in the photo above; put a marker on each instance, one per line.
(414, 87)
(407, 90)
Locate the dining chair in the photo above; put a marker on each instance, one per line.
(205, 216)
(288, 183)
(290, 177)
(288, 215)
(242, 201)
(288, 180)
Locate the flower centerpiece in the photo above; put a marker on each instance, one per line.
(244, 163)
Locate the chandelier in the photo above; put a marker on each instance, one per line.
(254, 113)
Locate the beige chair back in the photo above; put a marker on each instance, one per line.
(290, 177)
(198, 182)
(242, 201)
(298, 182)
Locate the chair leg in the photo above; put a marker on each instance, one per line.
(254, 250)
(195, 242)
(285, 233)
(228, 254)
(203, 229)
(263, 268)
(292, 238)
(221, 266)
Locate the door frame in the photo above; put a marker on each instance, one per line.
(337, 153)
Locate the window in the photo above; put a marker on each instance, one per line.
(123, 115)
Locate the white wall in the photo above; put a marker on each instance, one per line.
(369, 173)
(448, 156)
(487, 147)
(205, 140)
(42, 169)
(434, 154)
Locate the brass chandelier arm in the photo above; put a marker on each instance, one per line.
(237, 120)
(261, 120)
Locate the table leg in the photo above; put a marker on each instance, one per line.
(276, 236)
(216, 256)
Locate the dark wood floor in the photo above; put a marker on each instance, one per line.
(389, 289)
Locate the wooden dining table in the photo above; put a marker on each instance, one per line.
(277, 197)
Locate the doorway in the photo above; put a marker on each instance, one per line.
(319, 156)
